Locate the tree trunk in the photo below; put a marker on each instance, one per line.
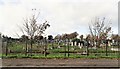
(68, 48)
(52, 44)
(65, 49)
(106, 47)
(6, 48)
(31, 46)
(45, 53)
(87, 48)
(26, 47)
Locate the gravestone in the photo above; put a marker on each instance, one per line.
(58, 46)
(79, 45)
(115, 49)
(75, 43)
(71, 43)
(94, 47)
(72, 49)
(109, 43)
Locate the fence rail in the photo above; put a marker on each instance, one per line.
(54, 49)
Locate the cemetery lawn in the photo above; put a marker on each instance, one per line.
(62, 55)
(19, 52)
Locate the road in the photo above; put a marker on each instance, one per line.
(70, 62)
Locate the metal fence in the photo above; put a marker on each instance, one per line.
(48, 48)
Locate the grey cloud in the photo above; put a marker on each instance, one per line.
(64, 15)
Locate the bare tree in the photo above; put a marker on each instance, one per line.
(31, 28)
(99, 30)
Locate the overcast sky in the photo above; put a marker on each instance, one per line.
(64, 16)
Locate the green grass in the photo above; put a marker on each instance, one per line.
(55, 53)
(61, 55)
(17, 47)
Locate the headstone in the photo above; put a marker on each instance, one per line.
(72, 49)
(51, 48)
(71, 43)
(84, 52)
(95, 43)
(109, 44)
(115, 49)
(66, 44)
(75, 43)
(63, 44)
(58, 46)
(94, 47)
(79, 45)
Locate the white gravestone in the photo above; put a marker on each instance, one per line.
(75, 43)
(71, 43)
(109, 44)
(79, 45)
(58, 46)
(72, 49)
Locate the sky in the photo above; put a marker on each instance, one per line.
(64, 16)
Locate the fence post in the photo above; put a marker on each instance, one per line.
(106, 47)
(26, 47)
(45, 41)
(6, 47)
(68, 47)
(87, 48)
(65, 47)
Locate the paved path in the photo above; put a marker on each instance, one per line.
(61, 62)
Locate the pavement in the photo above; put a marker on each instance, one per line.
(69, 62)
